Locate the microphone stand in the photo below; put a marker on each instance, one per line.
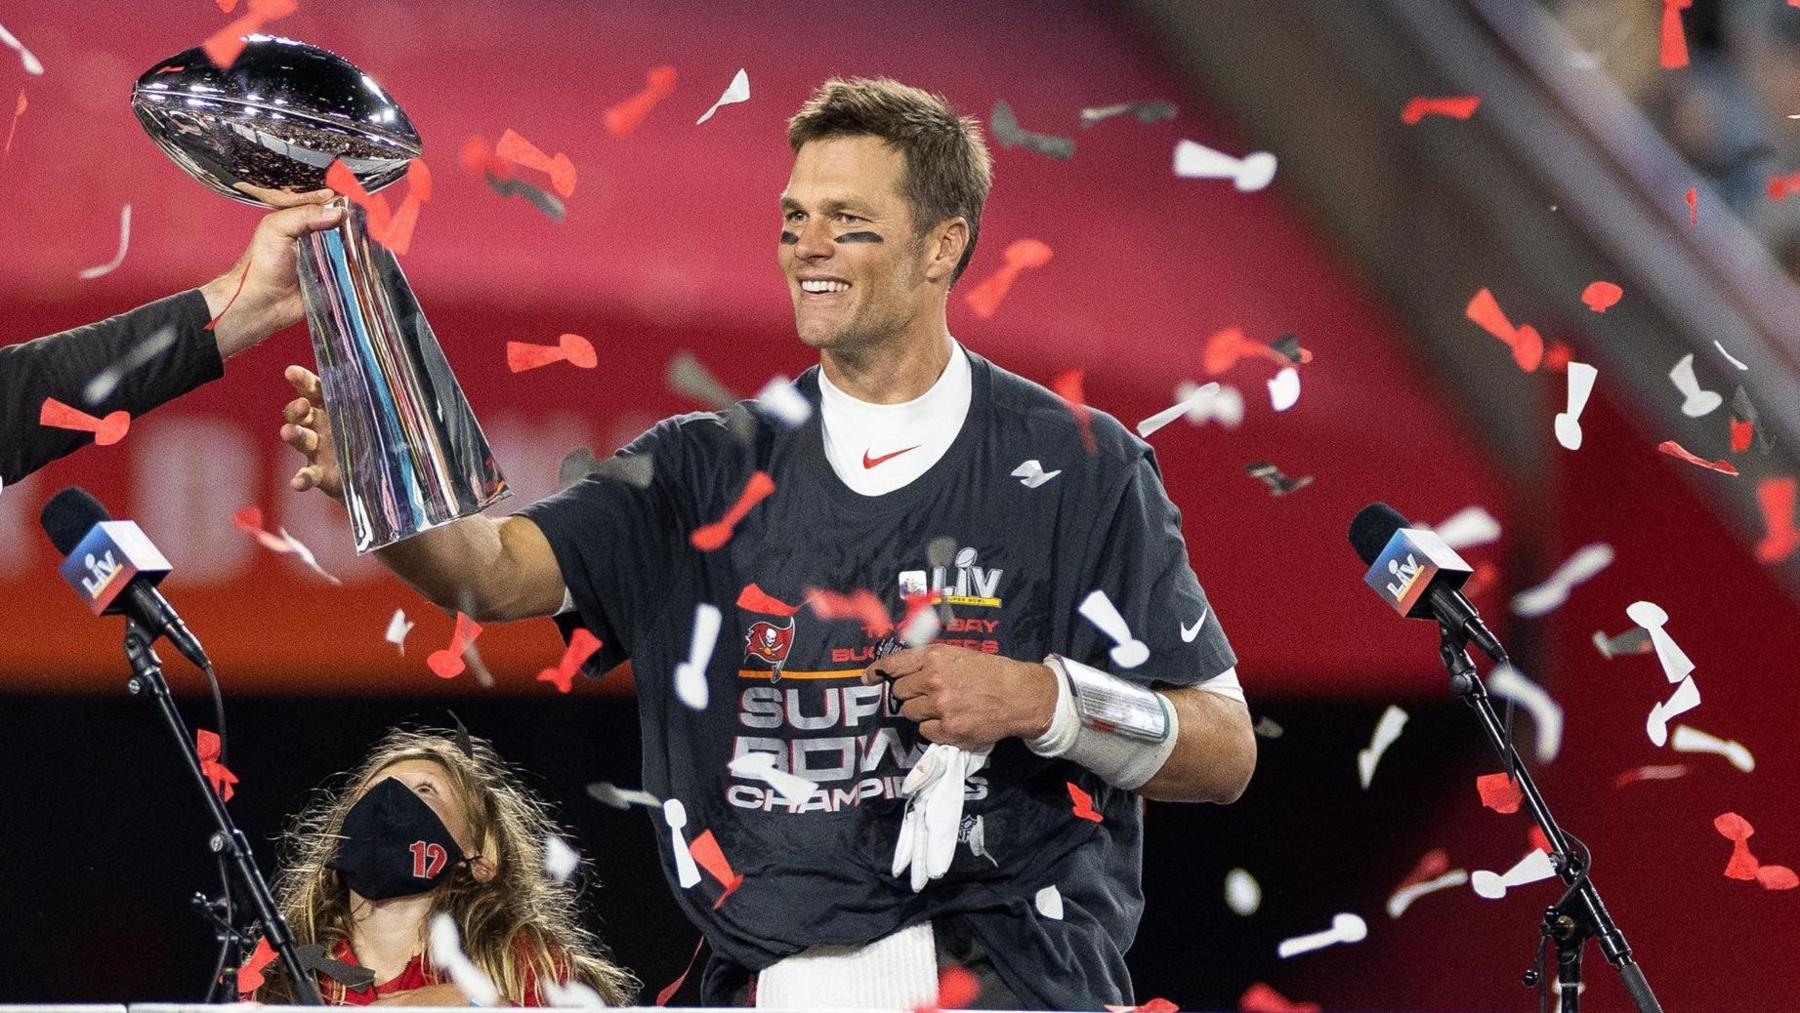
(1579, 915)
(226, 841)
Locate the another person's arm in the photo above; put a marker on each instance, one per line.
(61, 365)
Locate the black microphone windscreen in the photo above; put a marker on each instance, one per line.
(69, 515)
(1373, 526)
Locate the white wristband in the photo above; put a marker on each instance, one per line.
(1086, 736)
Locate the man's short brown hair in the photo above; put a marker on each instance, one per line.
(948, 170)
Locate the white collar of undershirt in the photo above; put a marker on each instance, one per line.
(877, 448)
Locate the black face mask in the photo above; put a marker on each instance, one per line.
(394, 845)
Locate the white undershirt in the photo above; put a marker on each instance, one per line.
(916, 433)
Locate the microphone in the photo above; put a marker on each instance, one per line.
(1418, 574)
(114, 568)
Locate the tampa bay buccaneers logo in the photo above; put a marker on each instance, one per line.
(769, 642)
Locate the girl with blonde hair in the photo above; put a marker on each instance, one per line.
(433, 823)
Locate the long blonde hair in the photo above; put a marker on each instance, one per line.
(520, 925)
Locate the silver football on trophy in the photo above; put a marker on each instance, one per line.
(411, 454)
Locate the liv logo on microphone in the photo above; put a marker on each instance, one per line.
(107, 558)
(1403, 573)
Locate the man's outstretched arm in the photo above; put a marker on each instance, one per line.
(491, 569)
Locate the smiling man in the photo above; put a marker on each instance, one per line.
(977, 798)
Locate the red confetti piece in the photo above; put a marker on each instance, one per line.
(1486, 575)
(1068, 387)
(1673, 51)
(984, 299)
(1156, 1005)
(1776, 497)
(379, 216)
(516, 149)
(226, 6)
(860, 604)
(1459, 107)
(448, 663)
(1781, 186)
(107, 431)
(1693, 202)
(1741, 430)
(623, 118)
(478, 157)
(1674, 449)
(582, 645)
(1777, 877)
(206, 744)
(578, 350)
(1737, 830)
(18, 111)
(1601, 295)
(1260, 998)
(755, 599)
(224, 45)
(707, 855)
(1432, 864)
(709, 537)
(391, 229)
(242, 277)
(1651, 772)
(1499, 792)
(1526, 344)
(250, 975)
(1084, 803)
(1536, 836)
(957, 988)
(1557, 356)
(1226, 348)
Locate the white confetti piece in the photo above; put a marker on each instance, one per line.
(1676, 665)
(737, 91)
(112, 265)
(609, 794)
(1129, 652)
(1685, 698)
(1728, 356)
(1249, 174)
(760, 766)
(1180, 408)
(1031, 474)
(1243, 894)
(1530, 869)
(1403, 897)
(1568, 423)
(1468, 527)
(780, 398)
(447, 953)
(690, 675)
(1386, 731)
(32, 66)
(1345, 928)
(397, 629)
(922, 628)
(1696, 402)
(1509, 683)
(675, 815)
(1049, 902)
(1225, 406)
(1552, 593)
(560, 860)
(1284, 389)
(103, 383)
(1693, 740)
(305, 555)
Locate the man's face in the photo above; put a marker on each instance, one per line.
(853, 268)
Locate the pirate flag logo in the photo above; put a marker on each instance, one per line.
(771, 643)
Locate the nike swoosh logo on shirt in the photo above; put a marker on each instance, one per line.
(870, 462)
(1187, 634)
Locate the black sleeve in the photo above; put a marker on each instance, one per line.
(60, 366)
(615, 543)
(1138, 557)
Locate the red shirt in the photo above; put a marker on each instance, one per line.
(417, 973)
